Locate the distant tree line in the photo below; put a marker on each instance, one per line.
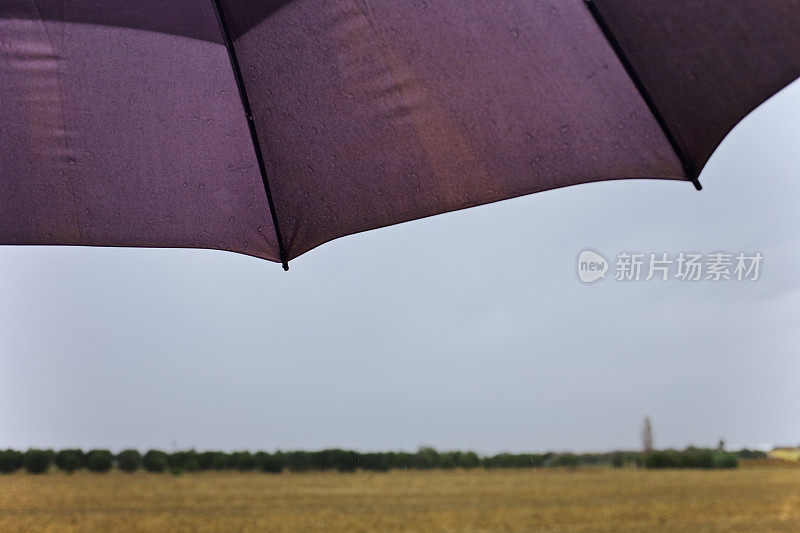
(40, 461)
(692, 458)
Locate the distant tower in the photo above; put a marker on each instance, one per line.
(647, 435)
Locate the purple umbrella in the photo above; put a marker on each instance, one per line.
(268, 127)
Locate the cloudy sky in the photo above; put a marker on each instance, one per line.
(465, 330)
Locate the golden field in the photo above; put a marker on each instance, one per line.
(759, 498)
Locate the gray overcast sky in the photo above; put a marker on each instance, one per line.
(465, 330)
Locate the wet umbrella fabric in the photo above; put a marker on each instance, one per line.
(270, 127)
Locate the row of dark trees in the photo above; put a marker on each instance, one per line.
(692, 458)
(40, 461)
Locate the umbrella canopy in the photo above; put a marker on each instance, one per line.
(268, 127)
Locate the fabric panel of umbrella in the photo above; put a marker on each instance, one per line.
(227, 123)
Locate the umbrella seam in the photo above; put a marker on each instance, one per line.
(688, 166)
(237, 72)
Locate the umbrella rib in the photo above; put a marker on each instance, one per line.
(688, 167)
(237, 72)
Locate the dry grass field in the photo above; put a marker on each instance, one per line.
(760, 498)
